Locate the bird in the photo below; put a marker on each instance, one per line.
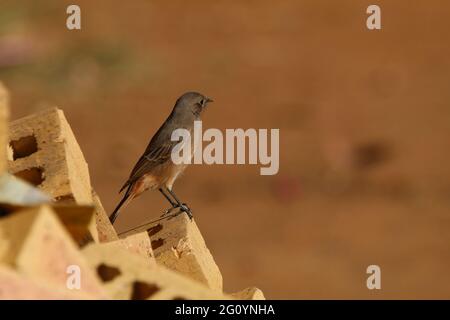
(155, 169)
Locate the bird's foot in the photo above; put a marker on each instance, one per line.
(184, 208)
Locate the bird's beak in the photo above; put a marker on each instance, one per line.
(205, 101)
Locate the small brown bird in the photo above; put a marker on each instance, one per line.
(155, 169)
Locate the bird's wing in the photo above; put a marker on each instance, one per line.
(152, 157)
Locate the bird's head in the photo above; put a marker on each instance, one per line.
(192, 103)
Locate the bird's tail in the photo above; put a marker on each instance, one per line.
(126, 198)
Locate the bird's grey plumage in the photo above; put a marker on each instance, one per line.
(160, 147)
(187, 109)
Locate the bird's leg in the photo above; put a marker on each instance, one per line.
(183, 206)
(173, 203)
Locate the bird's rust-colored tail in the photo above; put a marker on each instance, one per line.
(126, 198)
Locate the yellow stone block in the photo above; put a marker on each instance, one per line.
(178, 245)
(129, 276)
(251, 293)
(105, 229)
(4, 115)
(46, 154)
(14, 286)
(35, 243)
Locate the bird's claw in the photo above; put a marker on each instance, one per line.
(183, 207)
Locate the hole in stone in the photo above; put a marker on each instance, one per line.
(32, 175)
(66, 199)
(142, 290)
(154, 230)
(86, 239)
(178, 298)
(157, 243)
(107, 273)
(24, 147)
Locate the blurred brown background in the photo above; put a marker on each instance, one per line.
(364, 120)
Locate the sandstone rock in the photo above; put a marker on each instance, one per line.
(140, 244)
(46, 154)
(251, 293)
(128, 276)
(4, 115)
(79, 221)
(178, 245)
(14, 286)
(105, 229)
(36, 244)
